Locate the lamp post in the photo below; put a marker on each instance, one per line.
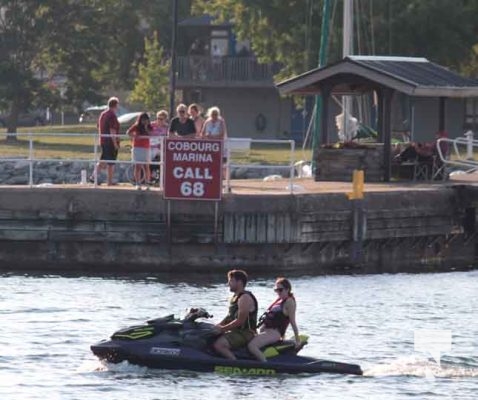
(172, 80)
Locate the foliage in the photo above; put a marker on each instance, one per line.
(39, 41)
(68, 52)
(280, 31)
(151, 86)
(289, 31)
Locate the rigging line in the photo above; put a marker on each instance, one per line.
(332, 24)
(366, 38)
(309, 130)
(390, 27)
(308, 35)
(356, 5)
(372, 32)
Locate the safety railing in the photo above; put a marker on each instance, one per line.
(227, 70)
(458, 152)
(31, 159)
(232, 146)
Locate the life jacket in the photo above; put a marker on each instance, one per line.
(274, 317)
(251, 322)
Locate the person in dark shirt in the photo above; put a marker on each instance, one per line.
(182, 125)
(239, 326)
(108, 130)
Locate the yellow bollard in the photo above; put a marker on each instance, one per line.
(357, 185)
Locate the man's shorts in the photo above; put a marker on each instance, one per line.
(108, 152)
(238, 337)
(140, 155)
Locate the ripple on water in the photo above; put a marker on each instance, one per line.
(48, 324)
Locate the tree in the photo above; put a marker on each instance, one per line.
(289, 31)
(151, 84)
(17, 54)
(42, 40)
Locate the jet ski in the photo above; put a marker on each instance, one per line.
(171, 343)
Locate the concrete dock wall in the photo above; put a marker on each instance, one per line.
(125, 230)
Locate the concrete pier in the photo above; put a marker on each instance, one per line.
(260, 226)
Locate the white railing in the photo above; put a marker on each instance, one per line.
(31, 159)
(460, 152)
(232, 145)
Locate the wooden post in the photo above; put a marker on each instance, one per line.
(387, 134)
(380, 116)
(325, 94)
(441, 113)
(324, 119)
(169, 225)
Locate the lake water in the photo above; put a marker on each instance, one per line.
(49, 322)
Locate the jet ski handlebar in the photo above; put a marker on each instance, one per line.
(195, 313)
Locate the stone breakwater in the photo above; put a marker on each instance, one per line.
(68, 172)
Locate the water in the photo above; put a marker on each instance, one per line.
(49, 322)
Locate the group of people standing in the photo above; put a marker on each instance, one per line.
(146, 136)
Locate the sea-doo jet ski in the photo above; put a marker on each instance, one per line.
(170, 343)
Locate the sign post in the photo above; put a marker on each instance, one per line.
(193, 169)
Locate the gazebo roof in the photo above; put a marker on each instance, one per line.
(410, 75)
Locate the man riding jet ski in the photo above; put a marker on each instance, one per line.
(170, 343)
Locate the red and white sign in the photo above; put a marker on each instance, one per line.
(193, 169)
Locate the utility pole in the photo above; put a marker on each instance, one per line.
(172, 80)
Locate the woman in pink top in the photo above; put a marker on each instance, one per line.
(139, 133)
(159, 130)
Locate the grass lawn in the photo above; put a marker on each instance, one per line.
(48, 144)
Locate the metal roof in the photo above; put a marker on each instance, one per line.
(411, 75)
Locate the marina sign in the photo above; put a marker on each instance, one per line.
(193, 169)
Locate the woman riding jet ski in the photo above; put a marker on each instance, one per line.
(170, 343)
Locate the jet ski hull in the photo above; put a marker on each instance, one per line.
(184, 358)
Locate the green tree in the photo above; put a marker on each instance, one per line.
(125, 24)
(40, 41)
(18, 84)
(289, 31)
(151, 85)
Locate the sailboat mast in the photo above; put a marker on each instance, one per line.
(347, 49)
(347, 39)
(324, 42)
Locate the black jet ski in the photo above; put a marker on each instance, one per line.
(170, 343)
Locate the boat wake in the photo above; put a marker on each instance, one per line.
(102, 366)
(426, 368)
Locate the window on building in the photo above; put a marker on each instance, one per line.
(471, 114)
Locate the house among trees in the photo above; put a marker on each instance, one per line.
(214, 68)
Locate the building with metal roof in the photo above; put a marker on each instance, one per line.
(413, 76)
(437, 97)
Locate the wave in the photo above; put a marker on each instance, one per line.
(102, 366)
(426, 368)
